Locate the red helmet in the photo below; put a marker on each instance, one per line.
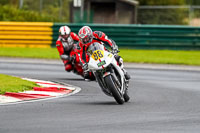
(85, 34)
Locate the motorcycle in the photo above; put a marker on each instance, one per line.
(108, 73)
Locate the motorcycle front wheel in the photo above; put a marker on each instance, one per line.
(114, 90)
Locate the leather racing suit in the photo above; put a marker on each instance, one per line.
(64, 47)
(99, 37)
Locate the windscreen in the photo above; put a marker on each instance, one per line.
(93, 47)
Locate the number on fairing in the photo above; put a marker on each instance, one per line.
(97, 54)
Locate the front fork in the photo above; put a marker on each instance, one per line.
(118, 84)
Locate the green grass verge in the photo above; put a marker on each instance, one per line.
(47, 53)
(161, 56)
(129, 55)
(14, 84)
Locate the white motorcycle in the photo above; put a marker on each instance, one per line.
(108, 73)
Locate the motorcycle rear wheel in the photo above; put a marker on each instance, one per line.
(114, 90)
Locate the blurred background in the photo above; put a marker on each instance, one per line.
(139, 27)
(170, 12)
(139, 24)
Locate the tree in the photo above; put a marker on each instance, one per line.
(162, 2)
(164, 15)
(193, 2)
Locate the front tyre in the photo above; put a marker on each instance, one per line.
(114, 90)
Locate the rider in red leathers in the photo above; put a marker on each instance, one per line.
(87, 37)
(65, 44)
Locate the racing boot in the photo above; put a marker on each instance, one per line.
(86, 74)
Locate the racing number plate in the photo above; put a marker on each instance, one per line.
(101, 63)
(97, 54)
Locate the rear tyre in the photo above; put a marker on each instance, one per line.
(114, 90)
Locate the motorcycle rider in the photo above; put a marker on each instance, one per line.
(88, 37)
(65, 44)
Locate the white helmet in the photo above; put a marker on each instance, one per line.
(64, 31)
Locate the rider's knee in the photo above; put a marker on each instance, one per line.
(68, 67)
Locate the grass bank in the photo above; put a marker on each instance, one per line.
(161, 56)
(129, 55)
(14, 84)
(47, 53)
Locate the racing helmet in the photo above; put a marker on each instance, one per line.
(85, 35)
(64, 32)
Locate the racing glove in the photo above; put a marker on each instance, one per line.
(114, 47)
(85, 67)
(115, 51)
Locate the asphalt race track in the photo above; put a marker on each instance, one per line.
(161, 101)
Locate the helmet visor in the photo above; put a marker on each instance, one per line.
(65, 36)
(86, 40)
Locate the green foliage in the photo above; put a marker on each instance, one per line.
(162, 2)
(9, 13)
(3, 2)
(58, 9)
(162, 16)
(193, 2)
(35, 10)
